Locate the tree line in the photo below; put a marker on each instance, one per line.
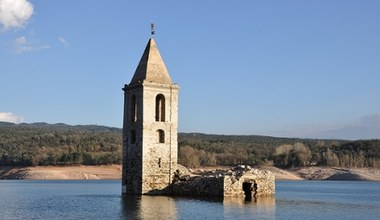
(229, 150)
(61, 145)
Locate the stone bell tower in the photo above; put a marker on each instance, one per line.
(150, 126)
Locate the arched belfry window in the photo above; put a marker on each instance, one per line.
(160, 107)
(133, 109)
(160, 136)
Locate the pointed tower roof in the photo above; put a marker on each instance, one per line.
(151, 66)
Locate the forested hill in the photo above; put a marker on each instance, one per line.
(208, 150)
(61, 144)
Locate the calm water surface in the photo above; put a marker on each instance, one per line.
(23, 199)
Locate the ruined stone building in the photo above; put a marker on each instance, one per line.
(150, 142)
(150, 126)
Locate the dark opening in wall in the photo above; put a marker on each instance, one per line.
(133, 109)
(161, 136)
(160, 107)
(133, 137)
(247, 188)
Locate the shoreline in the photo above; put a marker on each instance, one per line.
(327, 173)
(103, 172)
(113, 172)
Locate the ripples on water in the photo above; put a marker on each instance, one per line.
(101, 200)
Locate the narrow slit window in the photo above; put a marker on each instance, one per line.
(133, 137)
(133, 109)
(161, 136)
(160, 107)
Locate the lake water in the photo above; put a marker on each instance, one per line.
(24, 199)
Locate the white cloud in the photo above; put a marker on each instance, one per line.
(15, 13)
(63, 41)
(10, 117)
(21, 45)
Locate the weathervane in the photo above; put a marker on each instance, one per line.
(152, 31)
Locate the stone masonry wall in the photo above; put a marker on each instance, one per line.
(148, 162)
(159, 159)
(132, 151)
(239, 182)
(262, 183)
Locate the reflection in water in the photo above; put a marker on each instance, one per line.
(23, 199)
(165, 207)
(148, 207)
(258, 208)
(256, 201)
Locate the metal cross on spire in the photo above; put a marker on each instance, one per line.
(152, 31)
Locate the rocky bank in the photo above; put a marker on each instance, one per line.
(114, 172)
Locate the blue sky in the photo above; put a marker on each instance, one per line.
(296, 68)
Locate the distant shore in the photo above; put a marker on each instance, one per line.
(327, 173)
(62, 173)
(113, 172)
